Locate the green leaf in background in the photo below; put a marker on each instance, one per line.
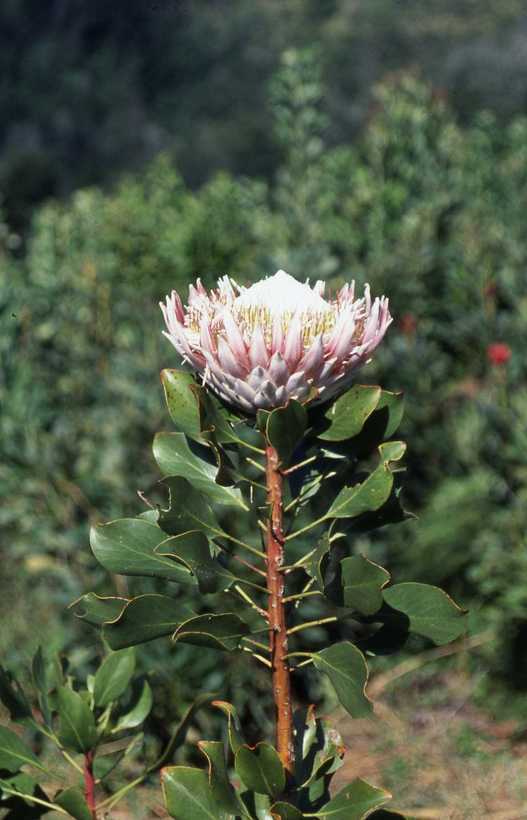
(188, 794)
(188, 510)
(285, 811)
(137, 712)
(73, 801)
(18, 790)
(77, 731)
(223, 792)
(346, 668)
(180, 732)
(261, 769)
(113, 676)
(362, 584)
(347, 416)
(285, 429)
(182, 398)
(431, 612)
(14, 753)
(40, 679)
(12, 696)
(215, 630)
(234, 734)
(98, 609)
(128, 546)
(175, 458)
(354, 802)
(145, 618)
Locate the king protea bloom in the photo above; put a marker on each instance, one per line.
(260, 346)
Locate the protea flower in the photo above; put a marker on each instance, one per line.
(258, 347)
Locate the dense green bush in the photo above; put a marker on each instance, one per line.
(424, 210)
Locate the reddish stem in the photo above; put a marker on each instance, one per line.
(276, 610)
(89, 783)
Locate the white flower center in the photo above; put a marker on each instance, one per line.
(281, 294)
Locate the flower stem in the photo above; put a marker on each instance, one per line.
(276, 611)
(89, 783)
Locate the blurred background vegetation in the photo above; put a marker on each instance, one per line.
(146, 143)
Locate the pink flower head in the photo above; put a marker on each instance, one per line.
(260, 346)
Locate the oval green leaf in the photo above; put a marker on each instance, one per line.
(181, 395)
(113, 676)
(138, 712)
(14, 753)
(362, 584)
(346, 668)
(261, 769)
(431, 612)
(354, 802)
(188, 794)
(175, 458)
(127, 546)
(77, 731)
(347, 416)
(143, 619)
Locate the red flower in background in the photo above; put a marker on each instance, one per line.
(408, 324)
(498, 353)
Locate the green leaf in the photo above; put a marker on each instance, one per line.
(40, 679)
(318, 747)
(77, 731)
(188, 794)
(182, 398)
(138, 712)
(74, 802)
(175, 458)
(347, 416)
(180, 732)
(187, 510)
(285, 429)
(233, 727)
(216, 421)
(222, 791)
(431, 612)
(261, 769)
(356, 801)
(346, 668)
(215, 630)
(13, 697)
(369, 495)
(391, 409)
(18, 790)
(193, 551)
(133, 546)
(381, 424)
(98, 609)
(113, 676)
(285, 811)
(362, 584)
(14, 753)
(145, 618)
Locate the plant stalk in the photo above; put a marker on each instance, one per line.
(276, 611)
(89, 783)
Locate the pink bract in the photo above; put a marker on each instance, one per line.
(260, 346)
